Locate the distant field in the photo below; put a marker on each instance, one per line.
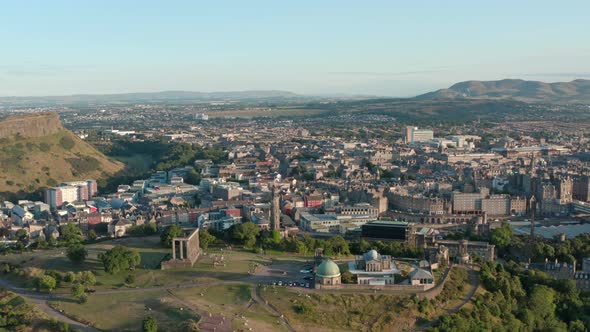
(295, 111)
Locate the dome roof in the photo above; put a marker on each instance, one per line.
(328, 269)
(372, 255)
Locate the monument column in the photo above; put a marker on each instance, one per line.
(181, 249)
(173, 249)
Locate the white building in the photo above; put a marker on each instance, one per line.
(372, 268)
(415, 135)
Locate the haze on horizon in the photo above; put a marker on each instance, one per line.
(388, 48)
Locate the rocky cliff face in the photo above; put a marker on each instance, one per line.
(30, 126)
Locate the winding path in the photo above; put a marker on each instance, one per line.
(473, 282)
(40, 300)
(257, 297)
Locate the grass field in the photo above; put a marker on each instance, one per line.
(126, 311)
(237, 265)
(172, 308)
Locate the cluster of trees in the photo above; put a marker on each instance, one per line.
(163, 155)
(81, 283)
(568, 251)
(520, 300)
(250, 236)
(395, 249)
(143, 230)
(120, 258)
(170, 233)
(502, 236)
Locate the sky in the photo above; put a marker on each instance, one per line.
(319, 47)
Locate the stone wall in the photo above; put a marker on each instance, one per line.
(31, 125)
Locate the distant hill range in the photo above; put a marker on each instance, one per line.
(36, 151)
(577, 91)
(164, 96)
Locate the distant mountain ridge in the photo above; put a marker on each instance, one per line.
(576, 91)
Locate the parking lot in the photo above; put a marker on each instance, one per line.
(285, 272)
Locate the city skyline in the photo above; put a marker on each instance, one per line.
(377, 48)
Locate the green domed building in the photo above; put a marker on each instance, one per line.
(327, 274)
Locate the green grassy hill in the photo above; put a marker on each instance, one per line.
(30, 162)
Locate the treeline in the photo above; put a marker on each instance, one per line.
(521, 300)
(250, 236)
(575, 249)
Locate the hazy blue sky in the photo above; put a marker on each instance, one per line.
(394, 48)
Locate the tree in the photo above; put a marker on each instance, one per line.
(541, 301)
(120, 259)
(192, 177)
(502, 236)
(86, 278)
(83, 298)
(22, 235)
(339, 245)
(130, 279)
(205, 238)
(150, 324)
(145, 229)
(46, 282)
(348, 278)
(78, 290)
(70, 233)
(70, 277)
(92, 235)
(245, 233)
(170, 233)
(77, 253)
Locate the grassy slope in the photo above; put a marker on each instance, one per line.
(35, 319)
(25, 166)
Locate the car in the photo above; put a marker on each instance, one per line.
(290, 283)
(280, 283)
(302, 284)
(308, 278)
(306, 271)
(307, 285)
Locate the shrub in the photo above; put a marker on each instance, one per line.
(46, 282)
(149, 324)
(77, 253)
(70, 277)
(67, 143)
(130, 279)
(44, 147)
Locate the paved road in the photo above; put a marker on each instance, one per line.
(473, 282)
(40, 300)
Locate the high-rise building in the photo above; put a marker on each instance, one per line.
(581, 188)
(415, 135)
(70, 192)
(408, 134)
